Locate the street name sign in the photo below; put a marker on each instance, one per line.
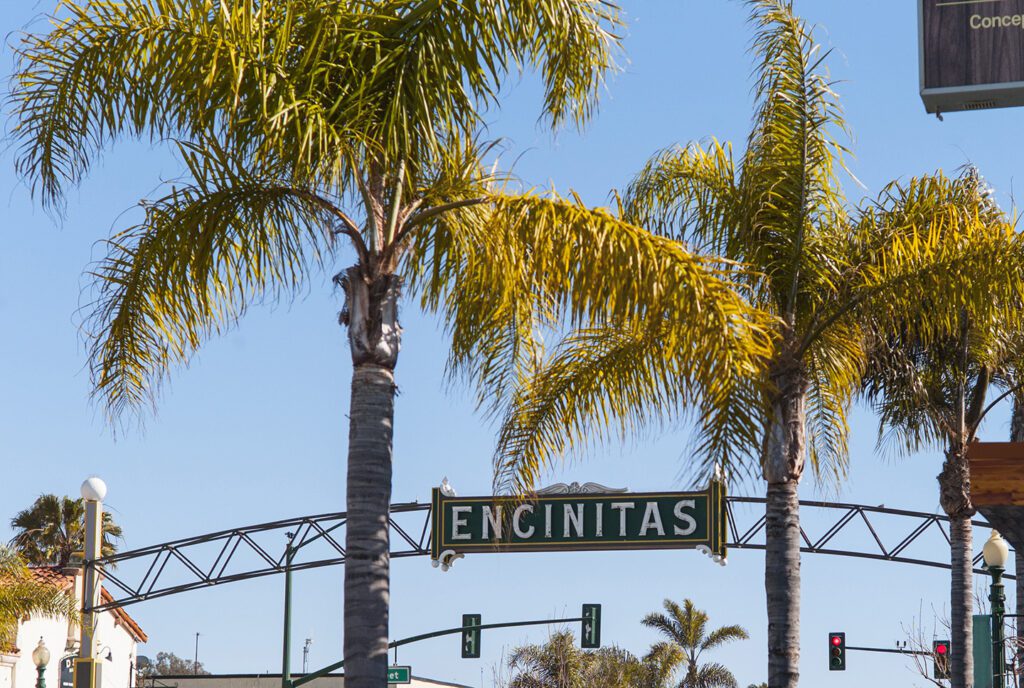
(575, 522)
(971, 54)
(399, 674)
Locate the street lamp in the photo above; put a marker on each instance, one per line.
(94, 491)
(41, 657)
(996, 553)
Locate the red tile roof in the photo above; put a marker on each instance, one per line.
(65, 581)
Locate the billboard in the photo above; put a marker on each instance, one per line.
(971, 54)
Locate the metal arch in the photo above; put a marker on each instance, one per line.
(752, 536)
(409, 526)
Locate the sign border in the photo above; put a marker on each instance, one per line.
(715, 540)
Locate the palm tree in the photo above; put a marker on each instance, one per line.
(686, 628)
(21, 596)
(821, 271)
(934, 394)
(53, 528)
(1017, 435)
(558, 663)
(309, 123)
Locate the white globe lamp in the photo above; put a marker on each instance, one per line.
(94, 489)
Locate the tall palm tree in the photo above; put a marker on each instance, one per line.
(820, 270)
(309, 123)
(22, 596)
(53, 528)
(1017, 435)
(686, 630)
(935, 394)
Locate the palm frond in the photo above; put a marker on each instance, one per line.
(936, 238)
(523, 265)
(715, 676)
(791, 192)
(689, 194)
(22, 596)
(723, 635)
(834, 371)
(204, 252)
(140, 67)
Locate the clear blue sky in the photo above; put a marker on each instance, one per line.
(255, 429)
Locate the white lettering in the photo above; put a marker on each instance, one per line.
(458, 523)
(547, 520)
(622, 507)
(690, 521)
(600, 518)
(518, 514)
(1000, 22)
(652, 519)
(492, 522)
(573, 517)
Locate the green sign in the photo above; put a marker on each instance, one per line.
(575, 522)
(399, 674)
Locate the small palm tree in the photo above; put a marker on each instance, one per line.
(686, 629)
(50, 531)
(558, 663)
(21, 596)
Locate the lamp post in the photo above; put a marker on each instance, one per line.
(286, 662)
(996, 553)
(41, 657)
(93, 491)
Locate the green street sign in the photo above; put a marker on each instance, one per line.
(399, 674)
(575, 522)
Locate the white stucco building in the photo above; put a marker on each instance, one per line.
(117, 637)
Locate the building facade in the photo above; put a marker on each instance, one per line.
(117, 638)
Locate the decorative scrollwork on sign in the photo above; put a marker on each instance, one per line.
(446, 488)
(576, 488)
(717, 558)
(446, 559)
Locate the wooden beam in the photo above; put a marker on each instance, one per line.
(997, 473)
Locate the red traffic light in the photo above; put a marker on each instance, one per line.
(941, 648)
(837, 641)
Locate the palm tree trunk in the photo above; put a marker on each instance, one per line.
(961, 603)
(374, 338)
(1017, 435)
(783, 467)
(954, 495)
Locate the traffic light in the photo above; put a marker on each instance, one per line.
(470, 636)
(837, 651)
(590, 637)
(940, 653)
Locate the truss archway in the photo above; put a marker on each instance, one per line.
(169, 568)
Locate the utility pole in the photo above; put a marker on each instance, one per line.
(286, 641)
(195, 662)
(305, 655)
